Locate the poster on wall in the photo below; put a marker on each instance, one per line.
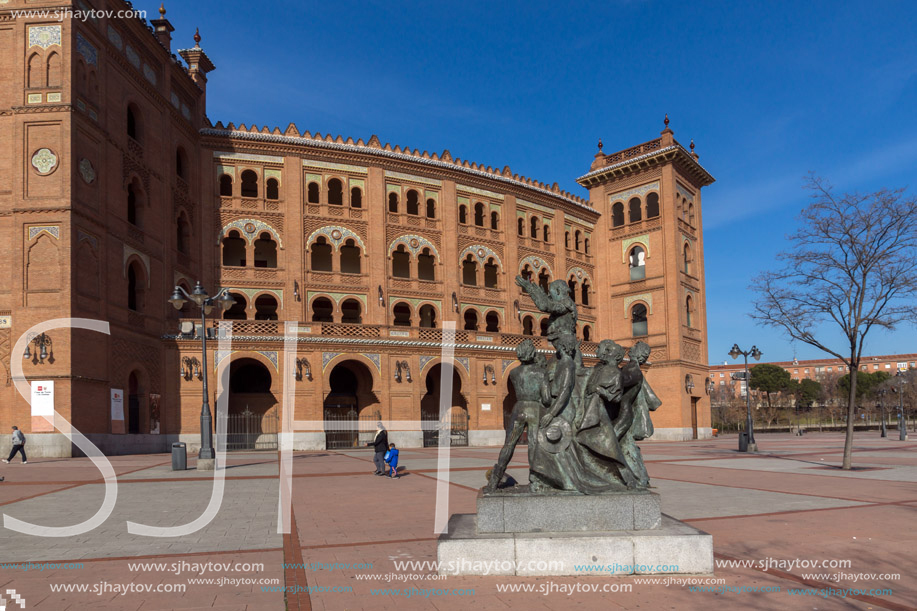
(42, 406)
(117, 411)
(154, 413)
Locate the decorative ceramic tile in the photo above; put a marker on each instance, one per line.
(465, 362)
(270, 355)
(252, 293)
(355, 169)
(83, 236)
(132, 56)
(251, 228)
(643, 240)
(224, 156)
(424, 360)
(34, 98)
(399, 334)
(149, 74)
(44, 161)
(420, 179)
(327, 357)
(684, 193)
(580, 274)
(521, 203)
(85, 48)
(269, 173)
(646, 297)
(623, 196)
(87, 171)
(114, 37)
(414, 243)
(482, 253)
(175, 101)
(44, 36)
(54, 97)
(336, 235)
(52, 230)
(93, 115)
(376, 359)
(81, 105)
(507, 363)
(536, 263)
(481, 192)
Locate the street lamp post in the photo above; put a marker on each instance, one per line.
(902, 421)
(751, 446)
(207, 455)
(881, 405)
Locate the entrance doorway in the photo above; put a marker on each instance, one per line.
(456, 421)
(349, 420)
(133, 404)
(694, 401)
(253, 417)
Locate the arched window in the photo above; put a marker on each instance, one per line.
(587, 333)
(133, 122)
(585, 293)
(577, 239)
(265, 251)
(571, 286)
(617, 214)
(272, 189)
(320, 257)
(637, 263)
(544, 327)
(233, 250)
(402, 312)
(182, 233)
(635, 210)
(638, 320)
(136, 284)
(266, 307)
(431, 208)
(401, 262)
(687, 258)
(322, 310)
(356, 198)
(471, 319)
(54, 70)
(335, 192)
(546, 233)
(494, 220)
(413, 203)
(181, 163)
(470, 271)
(490, 274)
(526, 272)
(566, 239)
(544, 279)
(393, 202)
(237, 310)
(691, 214)
(426, 265)
(34, 75)
(226, 185)
(134, 205)
(479, 214)
(652, 205)
(463, 215)
(528, 326)
(520, 226)
(350, 258)
(533, 227)
(492, 321)
(586, 245)
(689, 310)
(313, 195)
(427, 316)
(351, 312)
(249, 183)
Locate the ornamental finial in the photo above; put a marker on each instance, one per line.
(197, 37)
(667, 120)
(600, 145)
(162, 10)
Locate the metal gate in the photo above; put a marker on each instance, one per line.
(341, 426)
(251, 431)
(458, 429)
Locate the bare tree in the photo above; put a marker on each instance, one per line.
(850, 263)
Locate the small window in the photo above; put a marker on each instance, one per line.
(636, 213)
(426, 264)
(479, 214)
(533, 233)
(617, 215)
(470, 271)
(249, 183)
(225, 185)
(546, 233)
(402, 312)
(393, 202)
(585, 293)
(356, 198)
(689, 313)
(494, 221)
(351, 312)
(320, 256)
(181, 163)
(272, 189)
(431, 208)
(413, 203)
(350, 258)
(234, 250)
(401, 263)
(528, 326)
(586, 245)
(463, 215)
(492, 321)
(490, 274)
(427, 316)
(577, 239)
(133, 123)
(544, 279)
(322, 310)
(652, 205)
(520, 226)
(637, 263)
(567, 239)
(265, 251)
(471, 320)
(638, 320)
(335, 192)
(313, 194)
(587, 333)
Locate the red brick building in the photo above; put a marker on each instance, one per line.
(115, 187)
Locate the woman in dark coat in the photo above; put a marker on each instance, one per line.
(380, 447)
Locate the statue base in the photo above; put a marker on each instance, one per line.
(572, 534)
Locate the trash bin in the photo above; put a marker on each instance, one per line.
(179, 457)
(743, 442)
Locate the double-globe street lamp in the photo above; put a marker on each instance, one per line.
(750, 445)
(207, 455)
(902, 421)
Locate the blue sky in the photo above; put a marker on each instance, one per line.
(769, 91)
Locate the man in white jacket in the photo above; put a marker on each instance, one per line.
(18, 446)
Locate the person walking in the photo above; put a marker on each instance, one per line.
(380, 446)
(18, 446)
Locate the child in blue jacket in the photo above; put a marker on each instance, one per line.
(391, 459)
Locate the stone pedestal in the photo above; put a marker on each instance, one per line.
(572, 534)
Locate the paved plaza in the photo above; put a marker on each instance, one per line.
(785, 506)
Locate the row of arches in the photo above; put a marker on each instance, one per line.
(249, 186)
(412, 204)
(579, 244)
(636, 211)
(237, 252)
(480, 216)
(44, 72)
(536, 229)
(636, 259)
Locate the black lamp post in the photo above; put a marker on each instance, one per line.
(902, 421)
(225, 301)
(749, 428)
(881, 405)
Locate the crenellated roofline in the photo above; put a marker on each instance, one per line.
(375, 148)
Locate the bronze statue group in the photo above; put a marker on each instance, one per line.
(583, 422)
